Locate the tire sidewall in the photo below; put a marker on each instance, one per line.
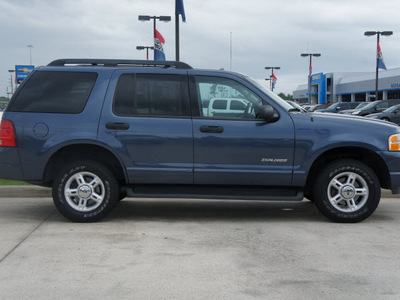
(110, 187)
(339, 167)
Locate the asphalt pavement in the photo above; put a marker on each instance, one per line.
(197, 249)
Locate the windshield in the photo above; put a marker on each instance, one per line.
(361, 105)
(271, 95)
(370, 105)
(393, 108)
(333, 106)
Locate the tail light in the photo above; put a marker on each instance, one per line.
(7, 134)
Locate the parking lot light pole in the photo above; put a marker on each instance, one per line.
(147, 50)
(310, 72)
(272, 73)
(378, 34)
(30, 54)
(11, 81)
(161, 18)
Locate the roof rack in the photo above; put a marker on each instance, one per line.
(119, 62)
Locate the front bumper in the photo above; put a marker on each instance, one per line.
(392, 160)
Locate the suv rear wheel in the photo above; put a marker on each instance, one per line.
(85, 191)
(347, 191)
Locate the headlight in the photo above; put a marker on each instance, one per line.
(394, 142)
(355, 112)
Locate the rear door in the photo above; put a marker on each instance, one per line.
(146, 119)
(238, 149)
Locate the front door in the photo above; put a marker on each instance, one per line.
(232, 147)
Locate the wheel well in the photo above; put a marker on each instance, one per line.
(82, 152)
(368, 157)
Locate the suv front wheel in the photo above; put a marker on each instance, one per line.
(85, 191)
(347, 191)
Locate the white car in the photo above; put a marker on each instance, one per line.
(226, 107)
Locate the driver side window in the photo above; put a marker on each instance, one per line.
(222, 98)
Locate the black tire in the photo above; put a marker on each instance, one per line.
(347, 191)
(85, 191)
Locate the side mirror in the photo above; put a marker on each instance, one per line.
(268, 113)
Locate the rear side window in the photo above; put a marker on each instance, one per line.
(55, 92)
(383, 104)
(353, 105)
(150, 95)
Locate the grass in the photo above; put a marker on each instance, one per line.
(12, 182)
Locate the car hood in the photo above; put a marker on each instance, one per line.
(324, 110)
(376, 115)
(351, 121)
(347, 111)
(336, 130)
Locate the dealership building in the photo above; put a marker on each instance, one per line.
(346, 87)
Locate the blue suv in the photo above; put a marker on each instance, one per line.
(97, 131)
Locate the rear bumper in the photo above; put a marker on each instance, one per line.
(10, 164)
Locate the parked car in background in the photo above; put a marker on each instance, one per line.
(376, 107)
(307, 107)
(339, 106)
(226, 107)
(297, 106)
(391, 114)
(320, 106)
(315, 107)
(349, 111)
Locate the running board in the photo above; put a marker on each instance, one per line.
(214, 192)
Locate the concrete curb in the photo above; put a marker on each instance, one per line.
(31, 191)
(24, 191)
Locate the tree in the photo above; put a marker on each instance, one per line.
(3, 102)
(285, 97)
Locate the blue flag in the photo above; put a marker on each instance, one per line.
(180, 10)
(380, 62)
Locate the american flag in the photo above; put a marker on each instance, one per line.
(158, 45)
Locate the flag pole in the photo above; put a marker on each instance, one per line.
(176, 37)
(154, 32)
(377, 74)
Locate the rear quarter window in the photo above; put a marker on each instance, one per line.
(54, 92)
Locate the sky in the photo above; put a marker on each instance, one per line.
(264, 33)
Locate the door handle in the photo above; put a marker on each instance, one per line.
(212, 129)
(117, 126)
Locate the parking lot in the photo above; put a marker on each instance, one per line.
(197, 249)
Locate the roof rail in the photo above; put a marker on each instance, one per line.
(119, 62)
